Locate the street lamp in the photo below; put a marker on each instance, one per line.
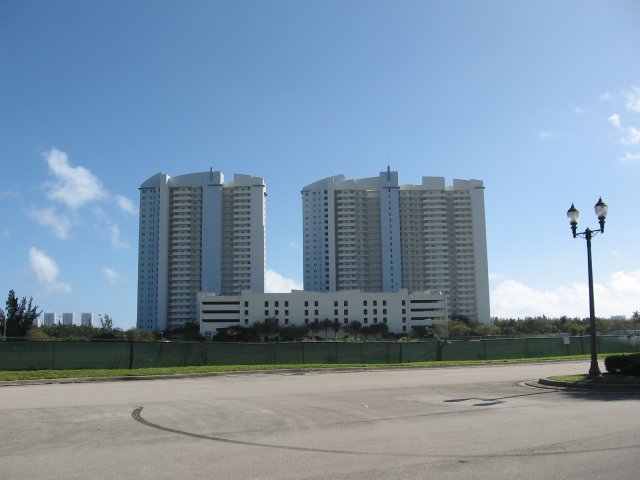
(573, 215)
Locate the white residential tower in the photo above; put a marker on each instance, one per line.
(197, 233)
(377, 235)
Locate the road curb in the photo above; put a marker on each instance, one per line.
(297, 371)
(607, 387)
(48, 381)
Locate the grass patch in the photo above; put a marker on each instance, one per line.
(606, 378)
(106, 373)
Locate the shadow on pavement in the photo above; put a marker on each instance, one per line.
(600, 395)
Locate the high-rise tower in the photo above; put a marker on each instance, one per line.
(376, 234)
(197, 233)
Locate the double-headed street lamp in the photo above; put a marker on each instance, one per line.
(573, 214)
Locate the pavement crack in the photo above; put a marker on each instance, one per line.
(138, 418)
(136, 415)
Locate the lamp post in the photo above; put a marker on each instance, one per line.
(573, 215)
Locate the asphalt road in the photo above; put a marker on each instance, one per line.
(448, 423)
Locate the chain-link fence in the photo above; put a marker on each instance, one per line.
(59, 355)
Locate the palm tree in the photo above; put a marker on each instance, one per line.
(271, 327)
(366, 331)
(315, 327)
(355, 328)
(326, 324)
(259, 329)
(336, 325)
(294, 332)
(379, 329)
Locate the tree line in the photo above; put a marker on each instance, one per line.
(458, 327)
(540, 325)
(20, 317)
(19, 320)
(271, 330)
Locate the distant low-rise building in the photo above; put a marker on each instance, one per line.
(48, 319)
(67, 318)
(400, 310)
(86, 319)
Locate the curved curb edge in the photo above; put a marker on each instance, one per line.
(608, 387)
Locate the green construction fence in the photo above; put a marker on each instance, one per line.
(62, 355)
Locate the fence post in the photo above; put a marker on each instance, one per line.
(388, 354)
(484, 349)
(401, 351)
(527, 347)
(361, 353)
(53, 356)
(303, 360)
(130, 354)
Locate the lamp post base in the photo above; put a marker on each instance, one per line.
(594, 371)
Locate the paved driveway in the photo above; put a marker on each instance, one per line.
(472, 422)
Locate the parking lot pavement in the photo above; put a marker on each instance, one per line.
(476, 422)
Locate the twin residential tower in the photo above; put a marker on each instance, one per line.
(199, 233)
(377, 235)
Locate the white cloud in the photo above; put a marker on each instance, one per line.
(126, 205)
(632, 98)
(626, 284)
(606, 97)
(108, 229)
(116, 241)
(631, 134)
(496, 277)
(46, 272)
(630, 157)
(545, 135)
(74, 186)
(579, 110)
(48, 217)
(112, 275)
(13, 192)
(276, 283)
(615, 120)
(617, 296)
(294, 245)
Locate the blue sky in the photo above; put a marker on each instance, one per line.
(540, 100)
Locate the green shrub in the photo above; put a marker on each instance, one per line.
(615, 363)
(633, 367)
(623, 364)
